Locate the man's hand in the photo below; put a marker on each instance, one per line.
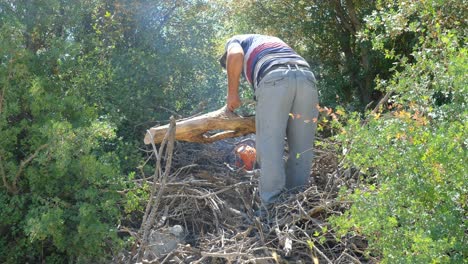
(233, 102)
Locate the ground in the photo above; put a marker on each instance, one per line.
(216, 204)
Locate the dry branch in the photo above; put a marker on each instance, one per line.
(153, 203)
(217, 208)
(222, 123)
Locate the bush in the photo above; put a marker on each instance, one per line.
(58, 199)
(412, 205)
(412, 209)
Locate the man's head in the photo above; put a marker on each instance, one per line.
(222, 60)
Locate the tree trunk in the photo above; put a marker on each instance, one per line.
(354, 50)
(206, 128)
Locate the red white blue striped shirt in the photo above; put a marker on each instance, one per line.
(261, 52)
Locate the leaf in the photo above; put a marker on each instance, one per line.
(310, 243)
(340, 112)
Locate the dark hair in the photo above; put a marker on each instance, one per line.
(222, 60)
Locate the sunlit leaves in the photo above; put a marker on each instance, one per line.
(48, 74)
(411, 151)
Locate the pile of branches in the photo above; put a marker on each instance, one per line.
(217, 207)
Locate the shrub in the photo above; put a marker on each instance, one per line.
(412, 205)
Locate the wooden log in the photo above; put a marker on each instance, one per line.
(206, 128)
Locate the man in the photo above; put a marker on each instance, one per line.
(287, 102)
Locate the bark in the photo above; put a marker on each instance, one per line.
(366, 87)
(347, 16)
(353, 15)
(342, 17)
(206, 128)
(158, 176)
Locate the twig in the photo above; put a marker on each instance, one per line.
(355, 260)
(377, 107)
(223, 255)
(322, 255)
(381, 102)
(318, 251)
(194, 199)
(259, 260)
(157, 172)
(208, 195)
(150, 219)
(285, 241)
(127, 230)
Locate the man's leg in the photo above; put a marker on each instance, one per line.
(274, 99)
(301, 130)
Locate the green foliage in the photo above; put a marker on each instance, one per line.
(80, 82)
(412, 210)
(163, 62)
(412, 205)
(326, 34)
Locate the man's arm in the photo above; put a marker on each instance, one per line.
(234, 62)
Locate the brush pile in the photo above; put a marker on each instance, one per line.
(216, 205)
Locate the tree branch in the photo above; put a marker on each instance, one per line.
(2, 172)
(12, 188)
(377, 107)
(153, 203)
(353, 15)
(23, 164)
(340, 12)
(197, 129)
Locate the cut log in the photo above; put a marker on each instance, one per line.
(206, 128)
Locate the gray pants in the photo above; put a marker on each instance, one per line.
(287, 102)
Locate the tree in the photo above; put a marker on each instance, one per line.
(326, 34)
(58, 181)
(164, 60)
(79, 82)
